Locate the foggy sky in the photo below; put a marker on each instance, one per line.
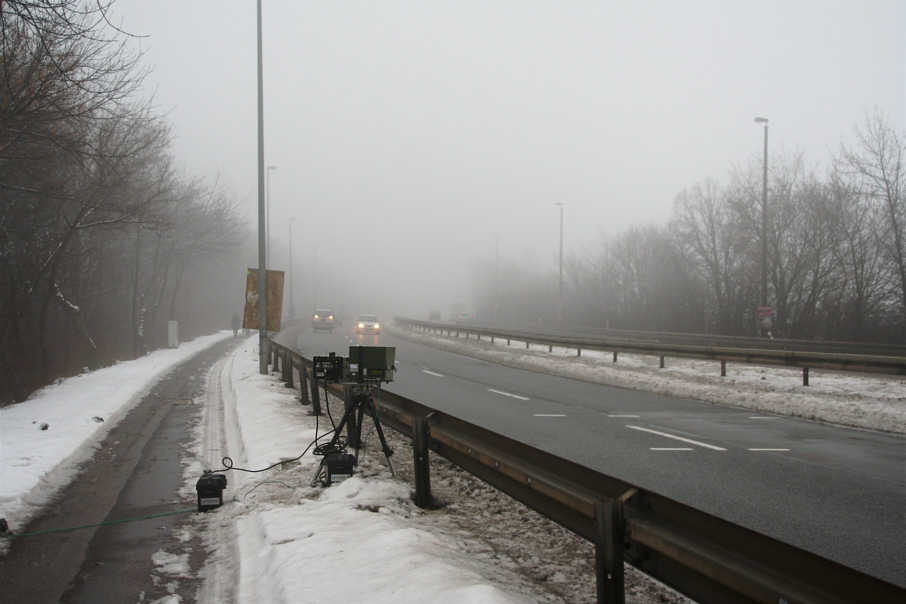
(413, 138)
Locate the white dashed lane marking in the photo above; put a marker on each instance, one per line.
(432, 373)
(679, 438)
(509, 394)
(550, 415)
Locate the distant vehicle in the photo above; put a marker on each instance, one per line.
(462, 318)
(322, 320)
(368, 324)
(434, 315)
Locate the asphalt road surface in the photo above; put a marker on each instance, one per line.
(837, 492)
(136, 472)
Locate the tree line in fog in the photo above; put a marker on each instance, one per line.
(836, 266)
(102, 239)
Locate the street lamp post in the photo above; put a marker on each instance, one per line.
(764, 215)
(262, 253)
(560, 302)
(269, 168)
(292, 311)
(496, 276)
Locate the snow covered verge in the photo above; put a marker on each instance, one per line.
(855, 400)
(45, 438)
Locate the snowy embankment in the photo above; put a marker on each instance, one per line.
(44, 439)
(855, 400)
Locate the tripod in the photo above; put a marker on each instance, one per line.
(360, 403)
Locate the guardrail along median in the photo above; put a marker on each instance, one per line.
(803, 359)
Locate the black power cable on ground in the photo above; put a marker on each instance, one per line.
(5, 532)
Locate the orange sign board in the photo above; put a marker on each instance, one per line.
(274, 300)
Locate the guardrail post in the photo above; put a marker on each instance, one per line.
(614, 356)
(303, 385)
(422, 467)
(609, 527)
(578, 352)
(662, 362)
(723, 369)
(315, 400)
(805, 376)
(287, 369)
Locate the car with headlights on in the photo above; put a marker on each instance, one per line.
(322, 320)
(368, 324)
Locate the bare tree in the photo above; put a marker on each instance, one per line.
(92, 213)
(863, 279)
(645, 284)
(799, 241)
(876, 168)
(708, 229)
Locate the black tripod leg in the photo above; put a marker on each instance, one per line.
(384, 446)
(355, 425)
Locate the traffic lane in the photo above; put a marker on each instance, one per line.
(483, 392)
(420, 367)
(321, 343)
(725, 461)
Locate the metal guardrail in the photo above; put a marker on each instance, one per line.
(704, 557)
(834, 346)
(804, 359)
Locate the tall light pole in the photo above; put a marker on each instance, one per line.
(269, 168)
(496, 276)
(764, 215)
(560, 302)
(262, 247)
(292, 311)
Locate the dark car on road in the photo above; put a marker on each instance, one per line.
(462, 318)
